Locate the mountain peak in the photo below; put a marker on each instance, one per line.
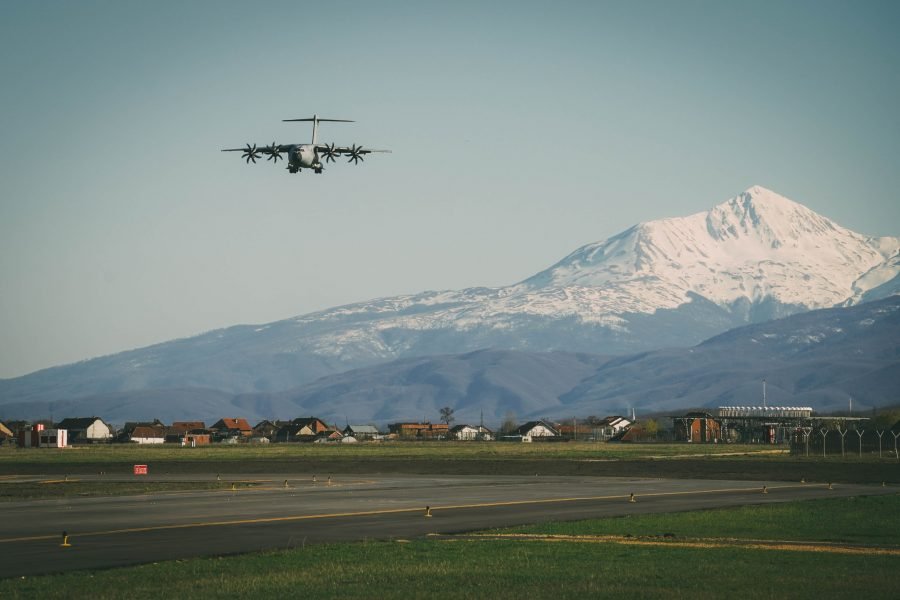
(759, 193)
(757, 246)
(766, 217)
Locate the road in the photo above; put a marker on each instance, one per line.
(114, 531)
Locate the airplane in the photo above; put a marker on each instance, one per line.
(305, 156)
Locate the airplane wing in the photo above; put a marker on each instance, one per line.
(267, 148)
(346, 150)
(354, 152)
(251, 153)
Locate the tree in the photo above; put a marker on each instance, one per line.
(651, 428)
(447, 415)
(510, 423)
(884, 419)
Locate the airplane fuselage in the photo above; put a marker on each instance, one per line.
(304, 156)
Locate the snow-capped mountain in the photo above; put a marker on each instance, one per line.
(756, 247)
(667, 283)
(755, 257)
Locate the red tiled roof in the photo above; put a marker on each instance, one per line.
(240, 424)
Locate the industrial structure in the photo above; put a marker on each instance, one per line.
(756, 424)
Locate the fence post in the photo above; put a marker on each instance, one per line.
(843, 433)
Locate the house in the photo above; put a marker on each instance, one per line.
(470, 432)
(301, 429)
(419, 431)
(185, 426)
(267, 429)
(151, 429)
(362, 432)
(86, 430)
(231, 430)
(295, 432)
(189, 433)
(610, 427)
(310, 425)
(130, 425)
(535, 430)
(144, 434)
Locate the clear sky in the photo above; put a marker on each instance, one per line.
(520, 131)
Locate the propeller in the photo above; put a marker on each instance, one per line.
(356, 154)
(251, 154)
(330, 153)
(274, 152)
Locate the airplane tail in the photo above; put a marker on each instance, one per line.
(315, 121)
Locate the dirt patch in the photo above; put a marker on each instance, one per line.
(790, 546)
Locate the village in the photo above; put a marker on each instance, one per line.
(798, 427)
(237, 430)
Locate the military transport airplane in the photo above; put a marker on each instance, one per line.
(305, 156)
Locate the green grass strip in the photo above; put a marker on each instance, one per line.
(516, 569)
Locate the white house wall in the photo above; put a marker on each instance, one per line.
(539, 431)
(148, 440)
(98, 431)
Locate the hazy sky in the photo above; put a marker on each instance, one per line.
(520, 131)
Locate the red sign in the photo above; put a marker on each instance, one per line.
(140, 469)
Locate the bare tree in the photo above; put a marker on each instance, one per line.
(447, 415)
(510, 423)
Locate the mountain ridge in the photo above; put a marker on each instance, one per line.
(668, 283)
(818, 358)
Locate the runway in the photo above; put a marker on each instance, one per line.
(114, 531)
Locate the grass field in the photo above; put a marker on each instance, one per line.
(498, 567)
(710, 461)
(868, 520)
(112, 453)
(695, 461)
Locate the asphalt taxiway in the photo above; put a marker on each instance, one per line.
(291, 511)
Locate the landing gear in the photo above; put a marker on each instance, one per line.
(293, 169)
(318, 171)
